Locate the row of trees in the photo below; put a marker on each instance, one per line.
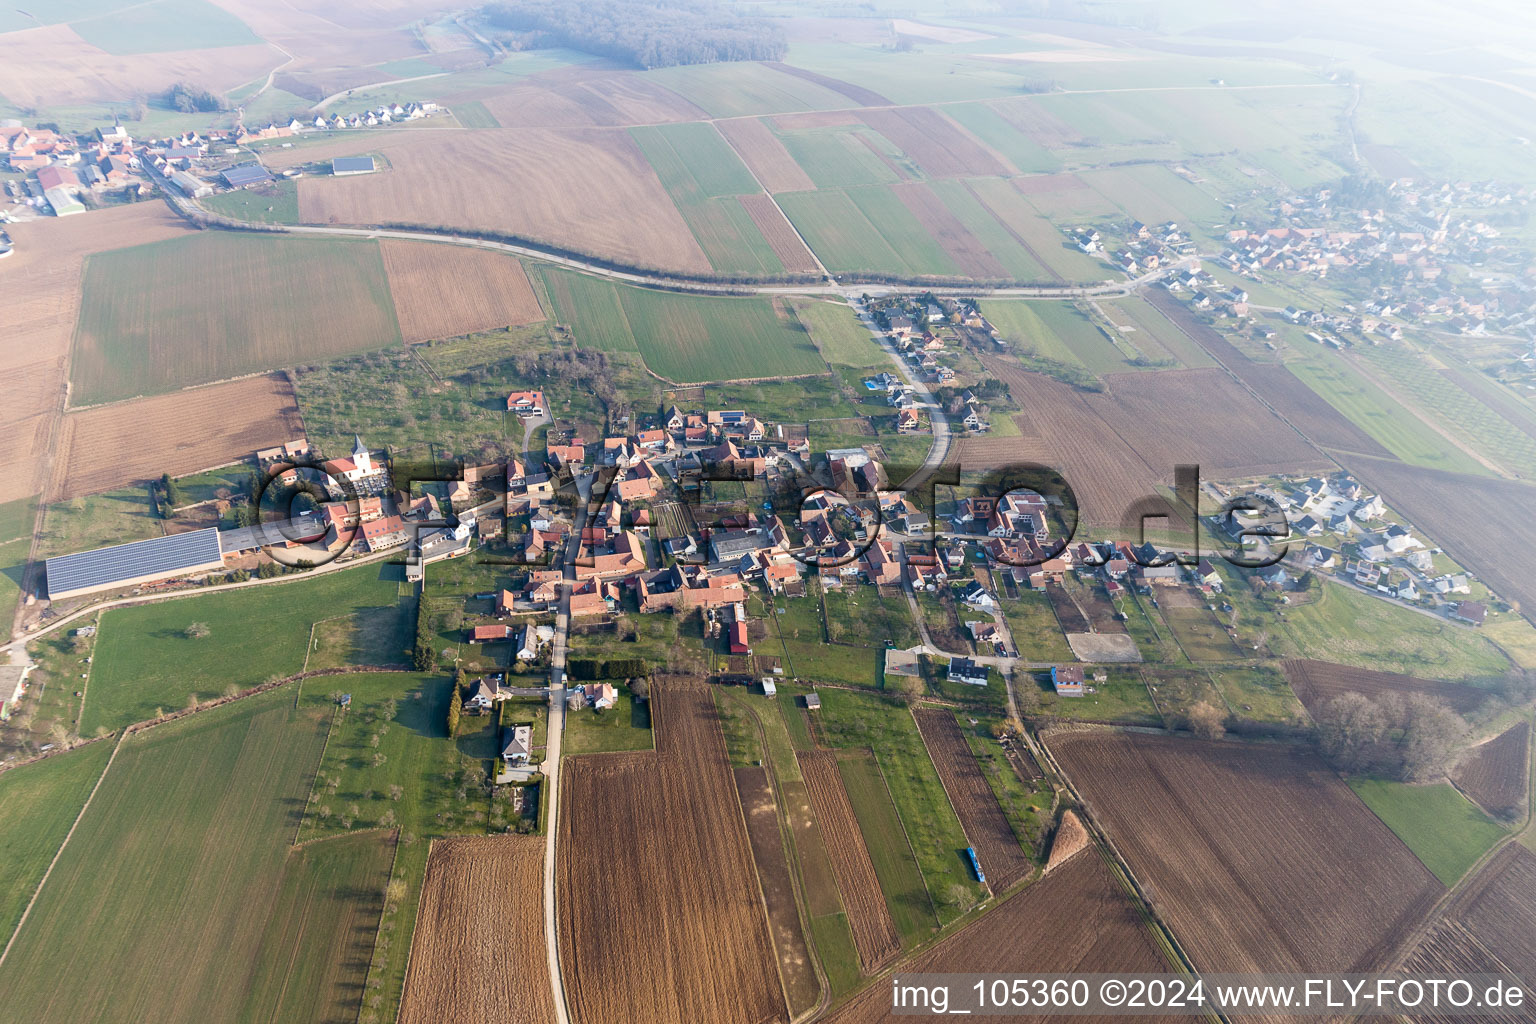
(654, 34)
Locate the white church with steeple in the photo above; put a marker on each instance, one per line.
(356, 467)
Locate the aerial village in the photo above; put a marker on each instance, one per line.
(63, 175)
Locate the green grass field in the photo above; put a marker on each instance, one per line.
(1018, 260)
(911, 907)
(840, 337)
(703, 176)
(685, 337)
(414, 752)
(38, 804)
(1258, 692)
(992, 128)
(277, 203)
(1034, 628)
(144, 660)
(850, 719)
(841, 236)
(838, 158)
(1352, 628)
(162, 316)
(181, 870)
(112, 517)
(903, 232)
(317, 942)
(1444, 829)
(162, 26)
(1378, 414)
(693, 161)
(1436, 395)
(625, 726)
(1155, 336)
(1044, 240)
(473, 115)
(1059, 331)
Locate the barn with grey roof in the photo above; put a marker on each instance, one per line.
(142, 561)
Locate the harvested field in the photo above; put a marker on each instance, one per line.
(52, 65)
(779, 235)
(1258, 856)
(1484, 524)
(968, 251)
(443, 291)
(1104, 648)
(1487, 929)
(1495, 773)
(1106, 934)
(762, 815)
(671, 819)
(1275, 385)
(588, 189)
(762, 151)
(1318, 682)
(874, 934)
(1071, 837)
(111, 446)
(482, 898)
(997, 848)
(204, 308)
(41, 279)
(939, 146)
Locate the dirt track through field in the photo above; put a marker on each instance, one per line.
(1002, 859)
(661, 916)
(477, 952)
(874, 933)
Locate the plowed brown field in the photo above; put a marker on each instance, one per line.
(1318, 682)
(1002, 859)
(1075, 920)
(1487, 930)
(478, 951)
(587, 189)
(1484, 524)
(781, 238)
(41, 282)
(443, 291)
(1495, 773)
(762, 151)
(112, 446)
(874, 934)
(1117, 446)
(1257, 855)
(661, 917)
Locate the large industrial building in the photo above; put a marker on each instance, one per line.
(142, 561)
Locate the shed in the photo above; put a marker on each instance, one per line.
(352, 165)
(813, 701)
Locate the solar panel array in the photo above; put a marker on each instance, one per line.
(158, 556)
